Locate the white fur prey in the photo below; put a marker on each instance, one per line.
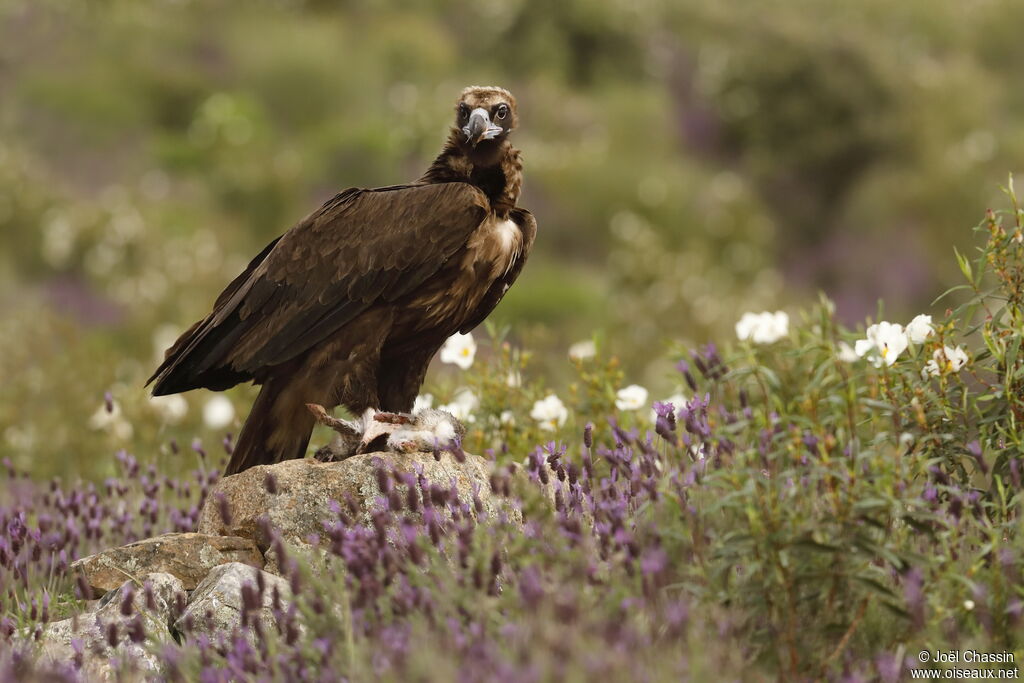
(432, 429)
(425, 431)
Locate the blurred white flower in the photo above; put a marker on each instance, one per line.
(459, 349)
(105, 415)
(763, 328)
(111, 421)
(422, 402)
(883, 344)
(218, 412)
(122, 430)
(163, 337)
(582, 350)
(946, 359)
(58, 240)
(920, 328)
(846, 353)
(462, 405)
(633, 397)
(550, 412)
(171, 409)
(514, 379)
(968, 605)
(677, 400)
(507, 417)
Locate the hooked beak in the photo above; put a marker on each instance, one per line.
(480, 127)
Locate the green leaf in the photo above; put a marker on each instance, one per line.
(965, 265)
(895, 609)
(949, 291)
(876, 586)
(816, 545)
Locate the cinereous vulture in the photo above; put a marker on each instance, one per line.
(349, 306)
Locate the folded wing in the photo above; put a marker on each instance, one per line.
(361, 248)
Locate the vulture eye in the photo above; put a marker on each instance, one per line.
(463, 110)
(502, 111)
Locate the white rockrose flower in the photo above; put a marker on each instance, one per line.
(462, 406)
(550, 412)
(218, 412)
(884, 343)
(582, 350)
(763, 328)
(920, 328)
(171, 409)
(507, 417)
(956, 358)
(422, 402)
(946, 359)
(745, 326)
(633, 397)
(459, 349)
(847, 354)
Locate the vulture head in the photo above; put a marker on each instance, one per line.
(485, 116)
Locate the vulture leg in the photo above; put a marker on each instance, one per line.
(341, 370)
(401, 375)
(279, 424)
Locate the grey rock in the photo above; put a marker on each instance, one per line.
(215, 607)
(305, 489)
(86, 634)
(187, 556)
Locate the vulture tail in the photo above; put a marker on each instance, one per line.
(278, 427)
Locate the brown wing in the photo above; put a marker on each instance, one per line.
(360, 248)
(524, 219)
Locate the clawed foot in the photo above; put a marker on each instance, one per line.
(426, 431)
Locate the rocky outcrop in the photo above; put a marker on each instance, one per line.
(295, 496)
(213, 581)
(189, 557)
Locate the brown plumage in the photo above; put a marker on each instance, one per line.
(349, 306)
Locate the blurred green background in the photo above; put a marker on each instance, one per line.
(686, 160)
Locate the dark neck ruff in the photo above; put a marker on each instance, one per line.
(493, 168)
